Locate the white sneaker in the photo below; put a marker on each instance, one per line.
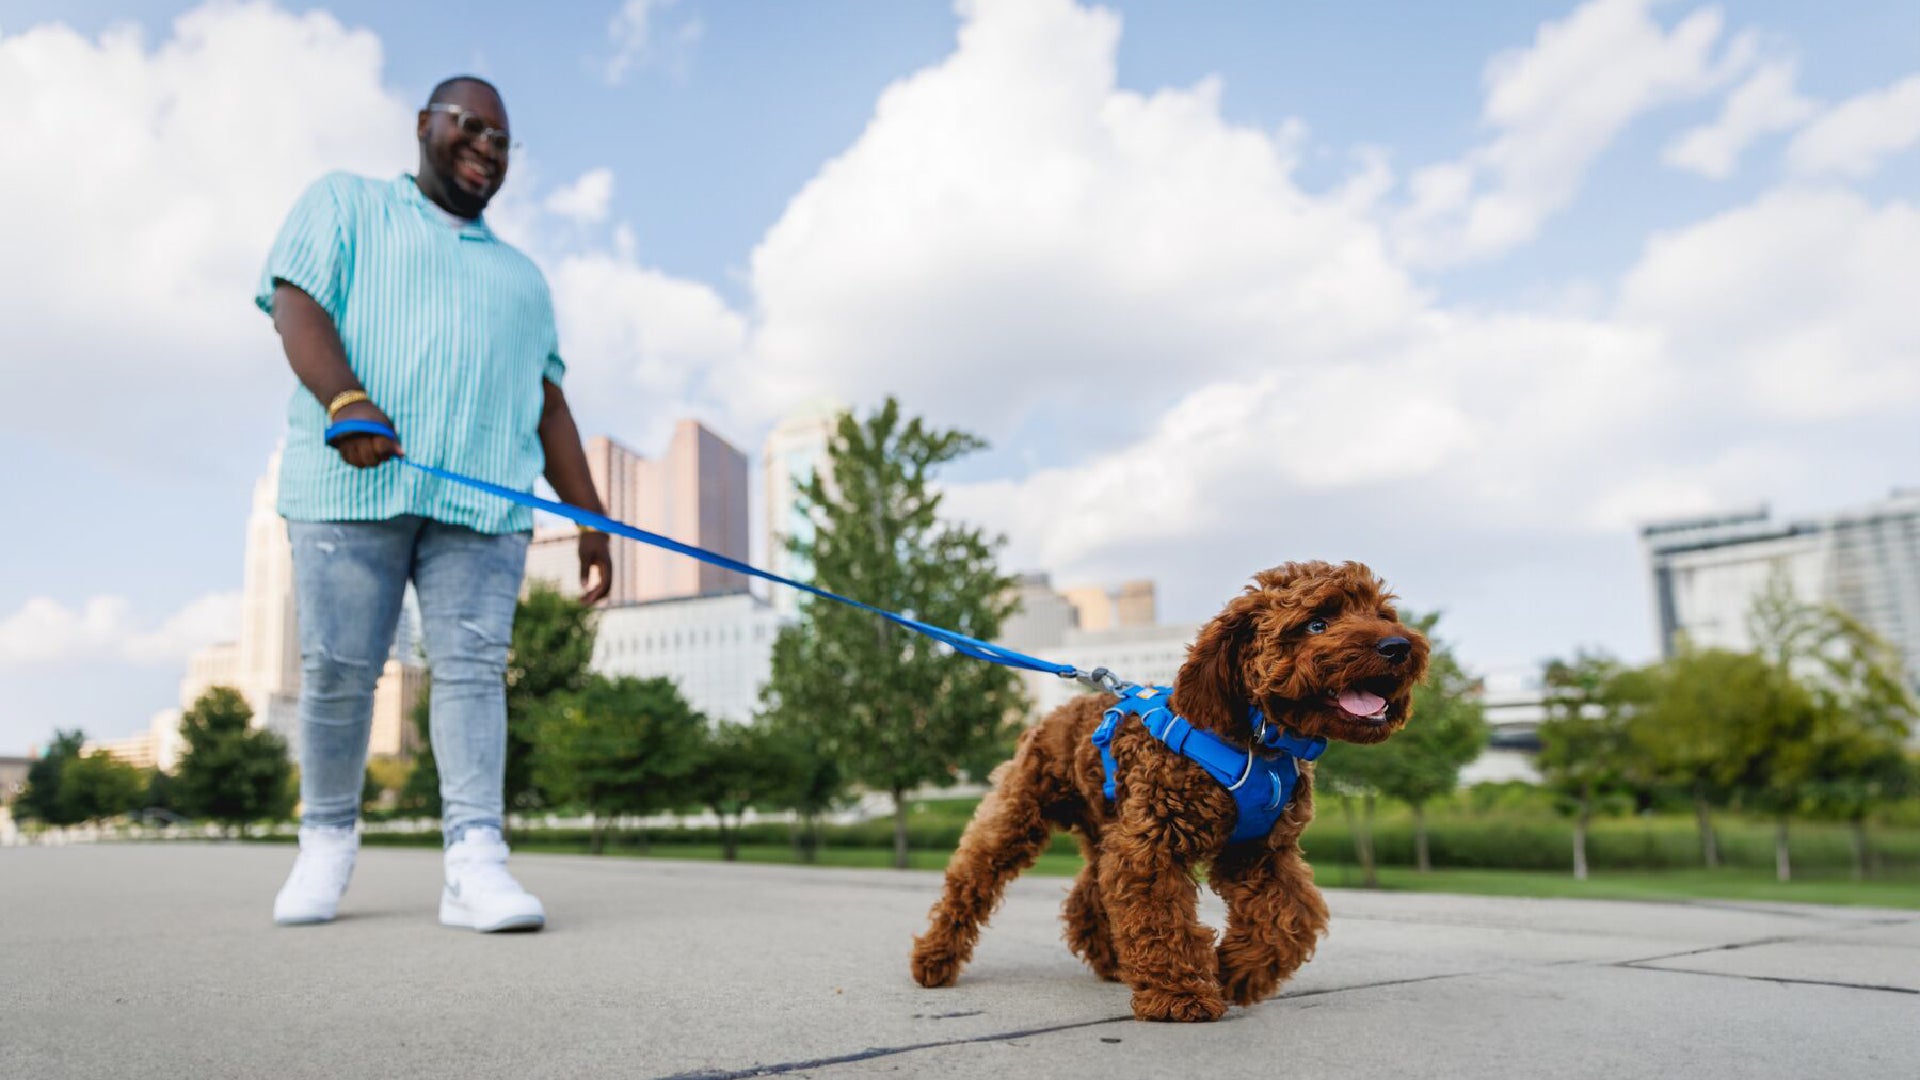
(312, 892)
(480, 894)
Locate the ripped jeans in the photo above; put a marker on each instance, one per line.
(349, 579)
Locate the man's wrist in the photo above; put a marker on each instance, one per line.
(343, 399)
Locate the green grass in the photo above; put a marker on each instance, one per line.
(1725, 884)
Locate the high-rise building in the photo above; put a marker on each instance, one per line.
(264, 663)
(269, 647)
(1101, 607)
(795, 451)
(696, 494)
(1708, 571)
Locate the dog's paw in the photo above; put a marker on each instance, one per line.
(1179, 1008)
(1247, 987)
(934, 968)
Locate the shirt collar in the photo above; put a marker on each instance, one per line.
(477, 229)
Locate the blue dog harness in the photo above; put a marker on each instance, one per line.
(1261, 783)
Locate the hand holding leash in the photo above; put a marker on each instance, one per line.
(364, 448)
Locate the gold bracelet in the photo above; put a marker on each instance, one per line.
(343, 399)
(583, 527)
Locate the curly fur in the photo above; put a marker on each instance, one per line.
(1131, 914)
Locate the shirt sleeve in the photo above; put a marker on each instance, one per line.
(311, 251)
(556, 369)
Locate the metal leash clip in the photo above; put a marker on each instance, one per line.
(1100, 679)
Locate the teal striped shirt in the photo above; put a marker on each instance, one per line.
(448, 327)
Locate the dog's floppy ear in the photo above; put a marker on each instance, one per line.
(1210, 689)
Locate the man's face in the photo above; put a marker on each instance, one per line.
(470, 167)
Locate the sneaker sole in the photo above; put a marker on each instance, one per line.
(459, 918)
(315, 920)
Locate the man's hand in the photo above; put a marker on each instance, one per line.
(366, 451)
(596, 553)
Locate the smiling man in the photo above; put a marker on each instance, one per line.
(397, 304)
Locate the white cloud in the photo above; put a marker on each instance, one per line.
(1011, 230)
(639, 39)
(1851, 138)
(1554, 106)
(1213, 367)
(585, 201)
(1764, 104)
(1797, 307)
(1219, 370)
(44, 631)
(148, 186)
(639, 344)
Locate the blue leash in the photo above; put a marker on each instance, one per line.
(960, 643)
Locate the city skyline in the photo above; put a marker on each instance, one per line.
(1467, 294)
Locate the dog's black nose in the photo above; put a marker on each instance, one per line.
(1394, 648)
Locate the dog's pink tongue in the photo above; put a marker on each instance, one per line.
(1361, 703)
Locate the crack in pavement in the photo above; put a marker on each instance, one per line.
(883, 1051)
(1776, 979)
(1005, 1036)
(1729, 947)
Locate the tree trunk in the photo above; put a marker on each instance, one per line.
(1782, 862)
(1709, 848)
(1580, 820)
(1422, 861)
(1857, 835)
(598, 844)
(1369, 878)
(899, 828)
(809, 839)
(729, 841)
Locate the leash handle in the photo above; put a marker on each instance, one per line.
(960, 643)
(342, 428)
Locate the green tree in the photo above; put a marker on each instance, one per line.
(1778, 742)
(231, 772)
(810, 784)
(41, 800)
(420, 795)
(1448, 729)
(897, 709)
(551, 655)
(1850, 759)
(743, 765)
(1585, 750)
(1850, 779)
(384, 774)
(98, 785)
(617, 746)
(1703, 723)
(160, 794)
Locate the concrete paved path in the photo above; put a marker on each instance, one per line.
(128, 961)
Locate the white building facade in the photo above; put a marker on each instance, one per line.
(1707, 572)
(717, 649)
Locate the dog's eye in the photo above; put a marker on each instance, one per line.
(1316, 626)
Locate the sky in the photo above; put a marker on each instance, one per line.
(1466, 292)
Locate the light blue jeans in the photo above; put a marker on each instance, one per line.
(349, 581)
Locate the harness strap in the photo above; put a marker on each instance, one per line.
(1274, 775)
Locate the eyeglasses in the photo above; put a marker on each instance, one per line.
(473, 126)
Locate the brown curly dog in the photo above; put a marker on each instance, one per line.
(1321, 650)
